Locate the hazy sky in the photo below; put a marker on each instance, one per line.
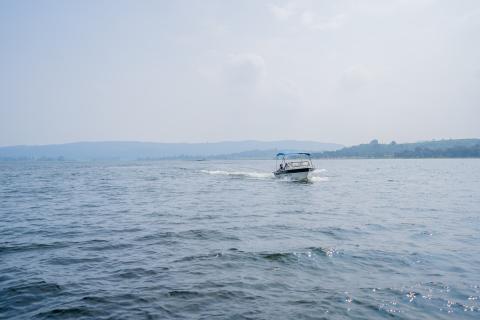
(197, 71)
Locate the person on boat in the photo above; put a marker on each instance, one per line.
(281, 166)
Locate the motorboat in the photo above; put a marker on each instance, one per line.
(294, 166)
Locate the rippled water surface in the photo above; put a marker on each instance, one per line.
(366, 239)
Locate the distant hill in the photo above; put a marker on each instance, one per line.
(452, 148)
(151, 150)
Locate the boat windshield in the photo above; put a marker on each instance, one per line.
(294, 160)
(298, 164)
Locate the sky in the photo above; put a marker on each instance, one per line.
(205, 71)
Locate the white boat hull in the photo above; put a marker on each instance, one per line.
(294, 176)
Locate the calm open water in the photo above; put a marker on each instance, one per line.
(367, 239)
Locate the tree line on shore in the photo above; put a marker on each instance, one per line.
(453, 148)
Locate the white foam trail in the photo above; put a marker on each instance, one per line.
(317, 177)
(257, 175)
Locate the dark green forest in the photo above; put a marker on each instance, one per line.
(453, 148)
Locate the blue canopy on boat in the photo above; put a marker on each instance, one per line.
(292, 153)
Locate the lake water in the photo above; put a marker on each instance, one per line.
(366, 239)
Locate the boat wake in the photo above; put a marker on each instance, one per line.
(245, 174)
(316, 175)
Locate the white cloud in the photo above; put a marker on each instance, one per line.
(245, 70)
(477, 74)
(308, 18)
(312, 20)
(282, 13)
(355, 77)
(308, 15)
